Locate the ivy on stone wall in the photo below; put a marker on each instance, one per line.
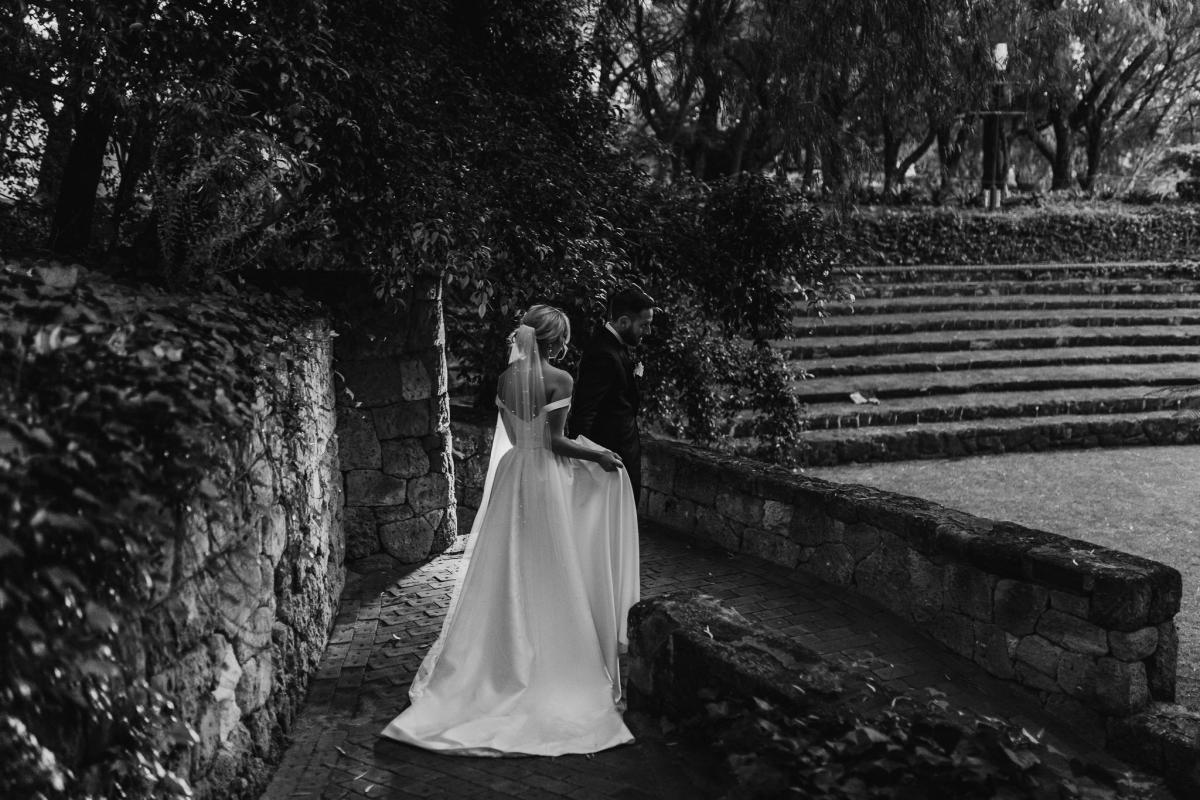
(114, 404)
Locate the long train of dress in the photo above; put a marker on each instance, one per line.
(526, 662)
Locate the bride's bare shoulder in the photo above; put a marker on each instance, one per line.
(558, 381)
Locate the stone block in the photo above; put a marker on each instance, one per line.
(830, 562)
(1017, 605)
(262, 480)
(370, 488)
(429, 493)
(408, 541)
(1039, 654)
(740, 507)
(1073, 604)
(362, 537)
(415, 383)
(770, 547)
(777, 517)
(1077, 674)
(811, 527)
(1121, 601)
(927, 580)
(358, 443)
(969, 591)
(1121, 687)
(883, 575)
(861, 539)
(274, 532)
(992, 650)
(1073, 633)
(404, 458)
(1161, 667)
(240, 589)
(445, 529)
(659, 475)
(402, 420)
(1133, 646)
(704, 486)
(254, 687)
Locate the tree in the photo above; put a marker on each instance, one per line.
(1096, 69)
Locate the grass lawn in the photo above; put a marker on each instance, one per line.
(1144, 501)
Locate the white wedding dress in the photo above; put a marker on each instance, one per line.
(526, 662)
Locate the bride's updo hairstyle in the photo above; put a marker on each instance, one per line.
(551, 328)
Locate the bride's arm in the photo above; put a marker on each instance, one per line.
(563, 446)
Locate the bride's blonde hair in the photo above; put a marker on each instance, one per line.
(551, 327)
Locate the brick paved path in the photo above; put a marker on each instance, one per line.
(389, 617)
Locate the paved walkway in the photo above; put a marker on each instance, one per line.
(389, 618)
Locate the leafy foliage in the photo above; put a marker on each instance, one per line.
(117, 403)
(918, 746)
(1057, 233)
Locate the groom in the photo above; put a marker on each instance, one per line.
(606, 400)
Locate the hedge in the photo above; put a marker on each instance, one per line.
(876, 236)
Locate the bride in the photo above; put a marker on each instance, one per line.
(526, 662)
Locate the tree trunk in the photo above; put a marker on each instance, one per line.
(891, 153)
(950, 149)
(834, 171)
(741, 138)
(54, 153)
(809, 167)
(141, 151)
(1064, 151)
(1095, 144)
(71, 229)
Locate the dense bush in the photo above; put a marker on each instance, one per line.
(114, 404)
(723, 261)
(1083, 234)
(917, 747)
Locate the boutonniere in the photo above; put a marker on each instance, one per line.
(638, 370)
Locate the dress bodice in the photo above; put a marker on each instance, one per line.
(530, 434)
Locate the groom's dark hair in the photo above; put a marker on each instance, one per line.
(629, 301)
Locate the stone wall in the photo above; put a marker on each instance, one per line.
(248, 587)
(394, 426)
(472, 450)
(393, 413)
(1089, 630)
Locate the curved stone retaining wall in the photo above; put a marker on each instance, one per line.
(1090, 630)
(247, 588)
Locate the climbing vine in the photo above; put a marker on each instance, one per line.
(115, 404)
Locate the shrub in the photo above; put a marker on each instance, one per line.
(1064, 233)
(917, 747)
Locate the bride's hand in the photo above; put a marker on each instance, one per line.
(610, 461)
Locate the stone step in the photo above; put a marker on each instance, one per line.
(1019, 434)
(1068, 286)
(830, 345)
(993, 405)
(1007, 272)
(874, 306)
(901, 323)
(995, 359)
(926, 384)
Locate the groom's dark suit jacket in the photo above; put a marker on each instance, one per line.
(606, 401)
